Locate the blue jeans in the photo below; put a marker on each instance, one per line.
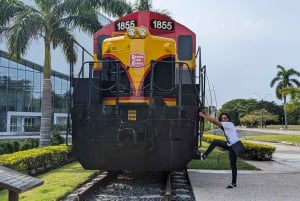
(232, 156)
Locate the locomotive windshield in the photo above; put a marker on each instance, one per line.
(109, 79)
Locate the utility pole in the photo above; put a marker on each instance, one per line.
(261, 108)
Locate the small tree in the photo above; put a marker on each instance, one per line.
(294, 103)
(256, 117)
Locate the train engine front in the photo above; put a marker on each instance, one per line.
(138, 109)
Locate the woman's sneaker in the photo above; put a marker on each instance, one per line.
(231, 186)
(202, 157)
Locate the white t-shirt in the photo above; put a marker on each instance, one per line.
(230, 133)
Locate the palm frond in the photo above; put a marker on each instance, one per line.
(276, 79)
(295, 81)
(116, 8)
(27, 26)
(143, 5)
(62, 37)
(146, 5)
(46, 5)
(8, 10)
(293, 72)
(85, 21)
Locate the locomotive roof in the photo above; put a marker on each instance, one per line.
(157, 24)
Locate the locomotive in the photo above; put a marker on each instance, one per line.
(137, 109)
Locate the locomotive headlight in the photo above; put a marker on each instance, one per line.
(143, 32)
(131, 32)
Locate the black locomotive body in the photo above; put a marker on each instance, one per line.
(137, 109)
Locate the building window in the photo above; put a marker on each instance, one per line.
(32, 124)
(36, 102)
(3, 100)
(61, 120)
(11, 101)
(3, 121)
(15, 124)
(12, 79)
(3, 72)
(4, 61)
(20, 107)
(37, 81)
(21, 93)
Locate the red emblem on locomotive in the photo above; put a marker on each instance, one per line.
(137, 60)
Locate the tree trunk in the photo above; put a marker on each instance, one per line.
(46, 108)
(285, 115)
(45, 132)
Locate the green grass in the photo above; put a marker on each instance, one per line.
(290, 127)
(218, 160)
(57, 183)
(275, 138)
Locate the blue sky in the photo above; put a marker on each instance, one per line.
(242, 42)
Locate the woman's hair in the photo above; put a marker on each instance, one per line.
(226, 114)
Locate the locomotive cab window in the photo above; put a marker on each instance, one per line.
(185, 48)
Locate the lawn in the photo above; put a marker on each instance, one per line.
(57, 183)
(217, 160)
(290, 127)
(294, 139)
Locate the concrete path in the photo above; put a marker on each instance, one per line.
(278, 180)
(252, 186)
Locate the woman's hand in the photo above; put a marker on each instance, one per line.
(202, 113)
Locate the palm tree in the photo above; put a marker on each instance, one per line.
(140, 5)
(53, 22)
(284, 80)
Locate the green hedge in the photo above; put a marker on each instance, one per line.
(254, 151)
(38, 160)
(10, 146)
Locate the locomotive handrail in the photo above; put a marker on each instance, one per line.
(202, 76)
(200, 93)
(183, 64)
(152, 64)
(90, 90)
(180, 65)
(202, 103)
(180, 90)
(118, 88)
(90, 66)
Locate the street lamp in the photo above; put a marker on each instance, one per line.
(261, 107)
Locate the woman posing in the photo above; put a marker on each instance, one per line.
(231, 136)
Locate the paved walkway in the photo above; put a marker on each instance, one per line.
(259, 131)
(278, 180)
